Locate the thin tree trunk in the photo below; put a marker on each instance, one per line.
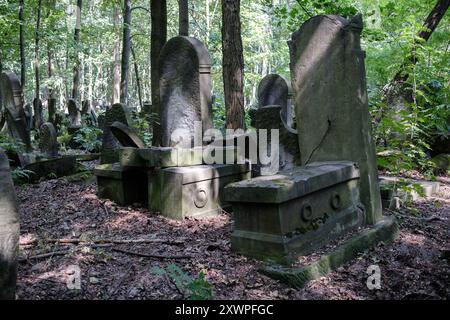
(23, 69)
(50, 67)
(76, 70)
(183, 17)
(116, 67)
(36, 51)
(430, 24)
(233, 64)
(158, 39)
(126, 46)
(138, 80)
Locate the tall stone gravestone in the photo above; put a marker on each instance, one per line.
(13, 103)
(275, 89)
(185, 88)
(118, 112)
(9, 231)
(74, 116)
(330, 98)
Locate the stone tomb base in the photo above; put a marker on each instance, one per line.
(385, 230)
(280, 217)
(52, 168)
(179, 192)
(122, 185)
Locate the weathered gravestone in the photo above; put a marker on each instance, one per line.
(330, 97)
(334, 191)
(88, 111)
(118, 112)
(126, 136)
(274, 111)
(48, 143)
(74, 116)
(38, 118)
(28, 108)
(13, 103)
(9, 231)
(185, 88)
(275, 90)
(52, 111)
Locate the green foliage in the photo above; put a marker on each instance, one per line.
(142, 128)
(88, 137)
(197, 288)
(21, 176)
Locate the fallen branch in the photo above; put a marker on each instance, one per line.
(44, 255)
(145, 255)
(102, 241)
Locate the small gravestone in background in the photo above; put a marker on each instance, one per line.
(38, 118)
(89, 112)
(48, 143)
(275, 89)
(52, 111)
(185, 86)
(274, 111)
(74, 116)
(330, 94)
(29, 116)
(9, 231)
(118, 112)
(15, 114)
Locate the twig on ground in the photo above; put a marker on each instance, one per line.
(105, 241)
(45, 255)
(145, 255)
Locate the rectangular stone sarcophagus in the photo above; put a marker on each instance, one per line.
(294, 212)
(179, 192)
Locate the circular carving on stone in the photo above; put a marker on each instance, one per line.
(306, 213)
(335, 201)
(200, 198)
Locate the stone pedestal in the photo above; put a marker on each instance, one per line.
(122, 185)
(293, 213)
(179, 192)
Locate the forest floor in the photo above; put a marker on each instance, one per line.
(415, 266)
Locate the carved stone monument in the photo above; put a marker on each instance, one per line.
(329, 81)
(48, 143)
(185, 87)
(13, 103)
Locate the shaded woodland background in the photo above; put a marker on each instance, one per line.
(110, 54)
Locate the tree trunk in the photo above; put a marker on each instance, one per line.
(23, 69)
(50, 67)
(36, 51)
(430, 24)
(126, 47)
(158, 39)
(116, 67)
(138, 80)
(183, 17)
(76, 69)
(233, 64)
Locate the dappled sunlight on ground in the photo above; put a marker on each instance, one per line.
(413, 267)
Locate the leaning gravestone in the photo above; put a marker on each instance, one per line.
(126, 136)
(74, 116)
(48, 143)
(13, 103)
(275, 89)
(330, 97)
(9, 231)
(185, 87)
(38, 118)
(118, 112)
